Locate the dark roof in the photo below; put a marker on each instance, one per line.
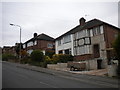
(41, 37)
(87, 25)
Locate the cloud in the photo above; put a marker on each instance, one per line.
(51, 18)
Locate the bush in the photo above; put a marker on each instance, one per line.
(26, 60)
(65, 58)
(49, 53)
(6, 57)
(62, 58)
(37, 56)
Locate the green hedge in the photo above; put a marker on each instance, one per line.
(59, 58)
(49, 53)
(6, 57)
(37, 56)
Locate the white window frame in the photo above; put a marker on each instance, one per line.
(101, 29)
(24, 46)
(67, 38)
(35, 42)
(50, 45)
(87, 40)
(59, 42)
(30, 44)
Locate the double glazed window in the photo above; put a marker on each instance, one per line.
(30, 44)
(50, 45)
(85, 49)
(96, 31)
(67, 39)
(59, 42)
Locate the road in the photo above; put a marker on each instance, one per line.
(16, 77)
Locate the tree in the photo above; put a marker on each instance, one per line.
(116, 47)
(23, 53)
(37, 56)
(18, 47)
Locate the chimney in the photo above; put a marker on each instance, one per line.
(35, 35)
(82, 21)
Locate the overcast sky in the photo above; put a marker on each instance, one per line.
(52, 18)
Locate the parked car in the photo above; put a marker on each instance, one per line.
(76, 66)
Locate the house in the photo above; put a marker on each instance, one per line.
(89, 42)
(39, 42)
(9, 50)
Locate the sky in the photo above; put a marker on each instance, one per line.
(51, 17)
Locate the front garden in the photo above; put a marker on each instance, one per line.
(37, 58)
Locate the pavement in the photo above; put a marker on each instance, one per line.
(99, 72)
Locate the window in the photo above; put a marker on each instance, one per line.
(81, 42)
(24, 46)
(75, 52)
(101, 29)
(67, 39)
(50, 45)
(60, 52)
(86, 32)
(91, 32)
(59, 42)
(30, 44)
(75, 36)
(87, 40)
(67, 51)
(76, 43)
(35, 43)
(78, 51)
(85, 49)
(96, 31)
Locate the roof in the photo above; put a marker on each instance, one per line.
(87, 25)
(41, 37)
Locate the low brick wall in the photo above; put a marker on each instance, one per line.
(56, 66)
(91, 64)
(52, 66)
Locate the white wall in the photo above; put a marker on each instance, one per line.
(64, 46)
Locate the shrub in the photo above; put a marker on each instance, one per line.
(49, 53)
(48, 59)
(43, 64)
(23, 53)
(6, 57)
(62, 58)
(26, 60)
(37, 56)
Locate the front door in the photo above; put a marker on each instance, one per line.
(99, 63)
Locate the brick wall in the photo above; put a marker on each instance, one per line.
(83, 57)
(41, 45)
(110, 35)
